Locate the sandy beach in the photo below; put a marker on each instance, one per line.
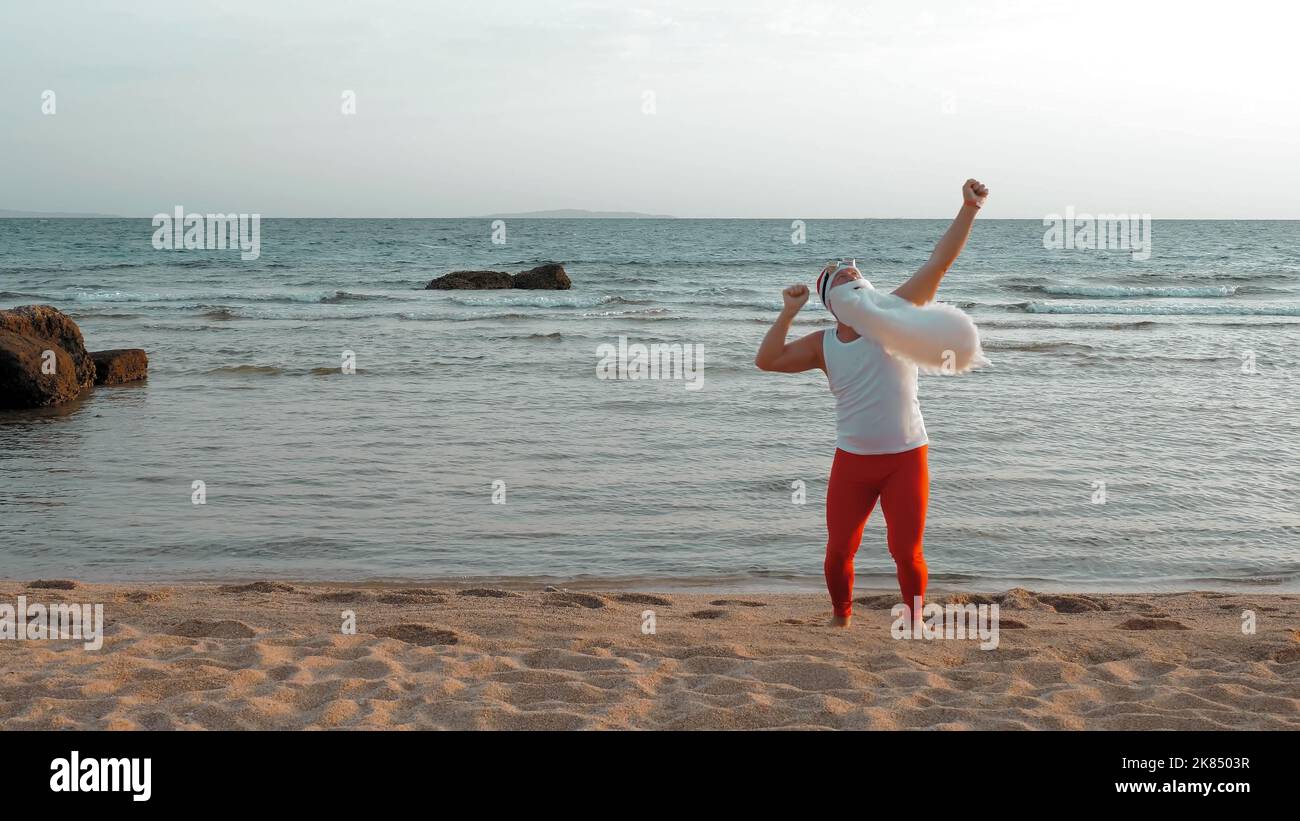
(273, 655)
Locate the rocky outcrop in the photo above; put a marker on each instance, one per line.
(120, 365)
(471, 280)
(44, 361)
(548, 277)
(32, 378)
(49, 323)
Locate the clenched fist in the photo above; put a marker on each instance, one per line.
(974, 193)
(795, 296)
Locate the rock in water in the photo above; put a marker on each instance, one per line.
(27, 333)
(550, 276)
(471, 280)
(23, 382)
(120, 365)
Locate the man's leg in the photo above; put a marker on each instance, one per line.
(850, 496)
(904, 496)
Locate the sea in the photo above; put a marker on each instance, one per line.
(315, 413)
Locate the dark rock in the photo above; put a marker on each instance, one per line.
(471, 280)
(26, 333)
(549, 277)
(120, 365)
(47, 322)
(23, 382)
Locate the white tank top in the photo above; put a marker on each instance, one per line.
(875, 397)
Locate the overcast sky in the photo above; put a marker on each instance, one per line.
(760, 109)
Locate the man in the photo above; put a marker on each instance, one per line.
(881, 443)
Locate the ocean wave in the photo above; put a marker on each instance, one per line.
(1037, 347)
(668, 262)
(645, 313)
(220, 313)
(93, 314)
(1256, 324)
(194, 300)
(1091, 355)
(622, 300)
(248, 370)
(1115, 357)
(1130, 291)
(1140, 325)
(508, 316)
(535, 300)
(341, 297)
(1236, 309)
(333, 371)
(825, 320)
(554, 336)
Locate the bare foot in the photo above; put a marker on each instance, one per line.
(840, 621)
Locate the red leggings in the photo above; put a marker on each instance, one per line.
(902, 482)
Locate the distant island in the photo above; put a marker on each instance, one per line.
(7, 214)
(580, 214)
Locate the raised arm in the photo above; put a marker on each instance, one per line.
(803, 354)
(923, 285)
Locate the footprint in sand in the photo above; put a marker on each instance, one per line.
(969, 598)
(424, 635)
(708, 614)
(1141, 623)
(1073, 604)
(586, 600)
(258, 587)
(737, 603)
(54, 584)
(343, 596)
(207, 629)
(877, 602)
(146, 596)
(415, 595)
(488, 593)
(643, 598)
(1018, 598)
(1287, 655)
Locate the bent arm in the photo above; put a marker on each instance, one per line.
(774, 354)
(924, 284)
